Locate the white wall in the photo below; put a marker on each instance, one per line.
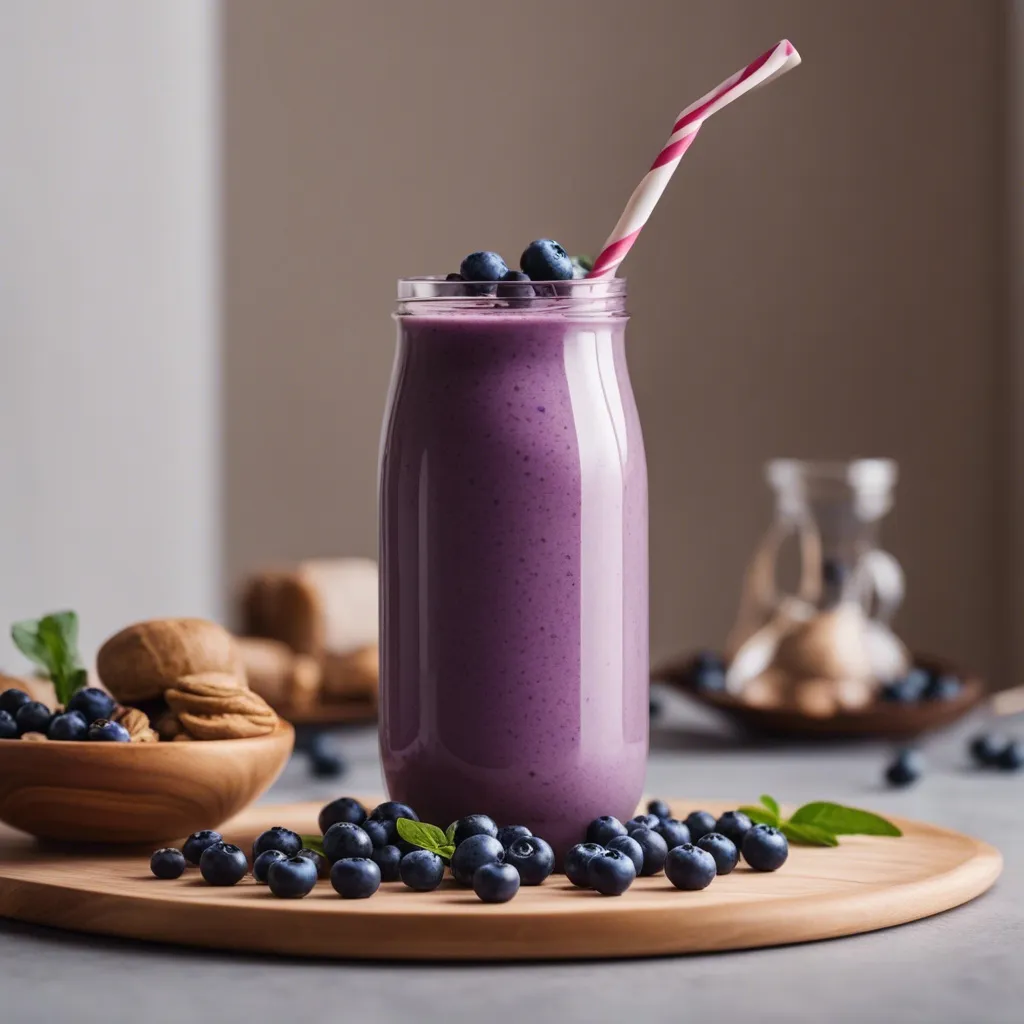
(108, 324)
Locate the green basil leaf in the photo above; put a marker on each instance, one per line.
(419, 833)
(760, 816)
(808, 835)
(446, 851)
(772, 804)
(449, 834)
(66, 625)
(313, 843)
(26, 638)
(844, 821)
(78, 680)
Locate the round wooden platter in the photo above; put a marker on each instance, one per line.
(865, 884)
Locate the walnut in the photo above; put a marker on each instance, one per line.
(136, 722)
(213, 706)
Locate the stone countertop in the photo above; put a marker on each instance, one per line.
(963, 966)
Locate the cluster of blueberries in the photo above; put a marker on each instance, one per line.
(87, 717)
(360, 850)
(486, 273)
(986, 750)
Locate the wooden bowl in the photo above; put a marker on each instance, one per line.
(879, 720)
(134, 792)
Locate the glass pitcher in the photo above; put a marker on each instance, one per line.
(831, 635)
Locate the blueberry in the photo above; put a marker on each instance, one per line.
(472, 853)
(603, 829)
(700, 823)
(631, 848)
(277, 837)
(532, 857)
(508, 834)
(261, 864)
(653, 847)
(345, 808)
(355, 878)
(33, 717)
(1011, 757)
(515, 286)
(198, 842)
(70, 726)
(344, 840)
(611, 872)
(474, 825)
(734, 825)
(421, 870)
(576, 861)
(93, 703)
(908, 689)
(673, 831)
(223, 864)
(8, 726)
(546, 260)
(167, 863)
(325, 763)
(482, 266)
(659, 809)
(690, 868)
(381, 832)
(986, 748)
(496, 883)
(707, 673)
(944, 686)
(102, 731)
(643, 821)
(654, 706)
(322, 864)
(722, 849)
(454, 277)
(12, 699)
(387, 858)
(391, 810)
(292, 878)
(765, 848)
(906, 769)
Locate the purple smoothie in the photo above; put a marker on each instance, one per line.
(514, 621)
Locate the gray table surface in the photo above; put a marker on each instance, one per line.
(966, 965)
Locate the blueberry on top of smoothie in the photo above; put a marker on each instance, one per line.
(482, 266)
(545, 260)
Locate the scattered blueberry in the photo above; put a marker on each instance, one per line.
(345, 840)
(325, 763)
(611, 872)
(223, 864)
(532, 857)
(197, 843)
(654, 706)
(8, 726)
(908, 689)
(345, 808)
(700, 823)
(322, 864)
(355, 878)
(391, 810)
(653, 847)
(1011, 757)
(734, 825)
(421, 870)
(906, 769)
(12, 699)
(707, 673)
(576, 861)
(292, 877)
(603, 829)
(102, 731)
(472, 853)
(944, 686)
(659, 809)
(482, 266)
(33, 717)
(722, 849)
(167, 863)
(515, 285)
(765, 848)
(93, 703)
(631, 848)
(261, 865)
(508, 834)
(496, 883)
(70, 726)
(690, 868)
(381, 832)
(474, 825)
(387, 858)
(546, 260)
(986, 748)
(277, 838)
(673, 831)
(643, 821)
(834, 574)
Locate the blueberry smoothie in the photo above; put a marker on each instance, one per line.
(513, 545)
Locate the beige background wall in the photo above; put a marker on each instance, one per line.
(820, 279)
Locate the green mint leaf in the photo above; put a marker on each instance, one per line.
(54, 632)
(313, 843)
(844, 821)
(772, 804)
(26, 638)
(428, 837)
(808, 835)
(761, 816)
(449, 834)
(446, 851)
(78, 680)
(586, 262)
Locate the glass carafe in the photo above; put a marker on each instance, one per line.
(827, 643)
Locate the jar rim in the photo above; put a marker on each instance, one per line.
(433, 295)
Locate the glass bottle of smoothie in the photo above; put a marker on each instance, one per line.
(513, 548)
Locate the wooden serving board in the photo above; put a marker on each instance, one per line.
(865, 884)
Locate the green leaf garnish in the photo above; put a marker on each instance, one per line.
(820, 823)
(808, 835)
(449, 834)
(52, 643)
(772, 804)
(584, 262)
(427, 837)
(315, 843)
(761, 816)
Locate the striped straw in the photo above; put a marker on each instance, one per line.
(641, 203)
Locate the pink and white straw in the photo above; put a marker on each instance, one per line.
(775, 62)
